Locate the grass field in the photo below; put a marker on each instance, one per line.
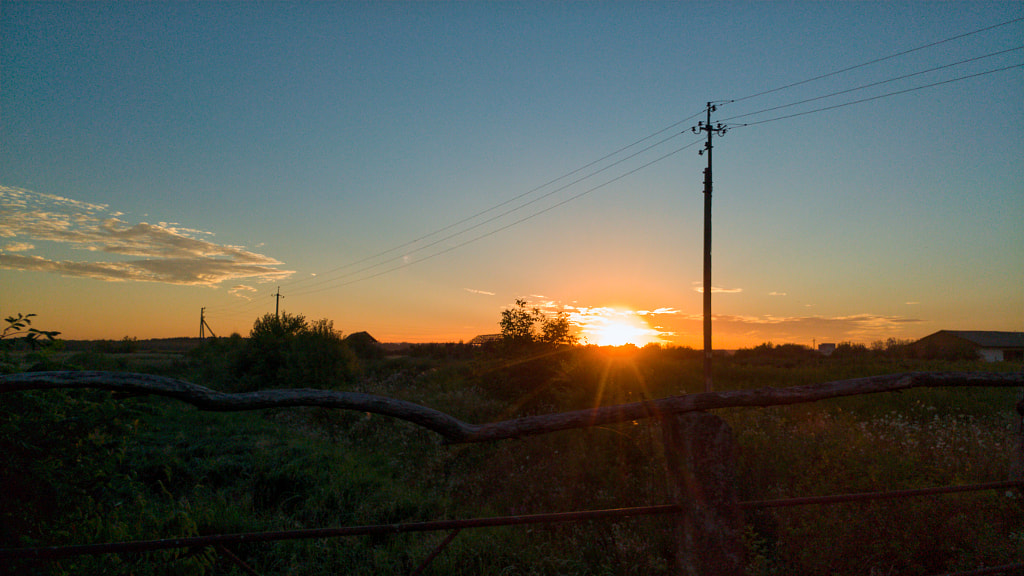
(86, 467)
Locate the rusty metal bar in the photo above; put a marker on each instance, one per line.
(839, 498)
(380, 529)
(1003, 569)
(238, 561)
(437, 525)
(440, 548)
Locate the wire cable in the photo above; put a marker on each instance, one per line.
(239, 308)
(880, 96)
(880, 82)
(502, 214)
(506, 202)
(511, 224)
(317, 280)
(333, 283)
(247, 303)
(877, 60)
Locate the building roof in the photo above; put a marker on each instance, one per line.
(361, 337)
(987, 339)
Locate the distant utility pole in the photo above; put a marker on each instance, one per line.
(277, 305)
(203, 326)
(720, 130)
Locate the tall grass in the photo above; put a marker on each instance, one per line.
(92, 468)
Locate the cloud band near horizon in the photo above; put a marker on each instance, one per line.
(143, 252)
(669, 324)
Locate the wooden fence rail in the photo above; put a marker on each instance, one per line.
(699, 450)
(455, 431)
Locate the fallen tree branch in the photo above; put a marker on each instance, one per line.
(455, 431)
(208, 399)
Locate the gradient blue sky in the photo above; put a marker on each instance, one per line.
(158, 158)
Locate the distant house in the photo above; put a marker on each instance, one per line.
(361, 338)
(826, 349)
(364, 345)
(485, 339)
(986, 345)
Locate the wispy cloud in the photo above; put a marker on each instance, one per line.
(483, 292)
(856, 327)
(163, 252)
(658, 312)
(17, 247)
(242, 291)
(852, 320)
(776, 293)
(717, 290)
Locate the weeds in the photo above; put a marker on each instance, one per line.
(85, 467)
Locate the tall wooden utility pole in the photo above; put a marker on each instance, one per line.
(277, 305)
(203, 326)
(720, 130)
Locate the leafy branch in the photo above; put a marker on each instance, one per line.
(20, 328)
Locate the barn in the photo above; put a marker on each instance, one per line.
(485, 340)
(986, 345)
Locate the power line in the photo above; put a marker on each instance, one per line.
(680, 149)
(320, 280)
(502, 214)
(533, 215)
(241, 307)
(244, 306)
(877, 60)
(957, 79)
(510, 225)
(511, 200)
(880, 82)
(333, 283)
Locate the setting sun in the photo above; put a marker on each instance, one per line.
(617, 328)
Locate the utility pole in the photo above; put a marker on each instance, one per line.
(711, 130)
(277, 305)
(203, 326)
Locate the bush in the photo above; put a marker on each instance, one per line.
(289, 352)
(520, 331)
(125, 345)
(781, 356)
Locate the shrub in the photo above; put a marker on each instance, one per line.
(289, 352)
(519, 328)
(782, 356)
(125, 345)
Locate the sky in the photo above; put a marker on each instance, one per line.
(411, 169)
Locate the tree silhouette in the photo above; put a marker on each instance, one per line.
(557, 331)
(287, 349)
(523, 326)
(517, 324)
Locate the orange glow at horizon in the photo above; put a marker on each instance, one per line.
(615, 328)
